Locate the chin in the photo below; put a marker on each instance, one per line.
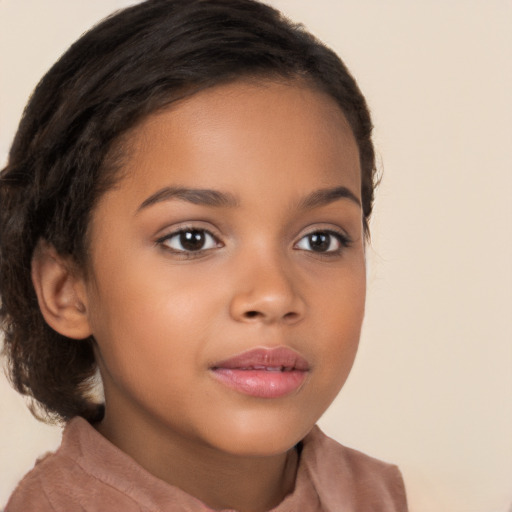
(262, 435)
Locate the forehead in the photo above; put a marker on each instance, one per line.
(285, 134)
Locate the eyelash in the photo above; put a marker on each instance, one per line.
(164, 241)
(343, 240)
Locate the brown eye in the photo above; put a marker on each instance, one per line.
(319, 242)
(323, 241)
(190, 240)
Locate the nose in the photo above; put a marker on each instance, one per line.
(267, 293)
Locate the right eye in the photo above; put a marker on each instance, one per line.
(189, 241)
(327, 242)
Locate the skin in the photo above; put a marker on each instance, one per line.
(162, 316)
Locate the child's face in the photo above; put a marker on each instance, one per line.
(182, 281)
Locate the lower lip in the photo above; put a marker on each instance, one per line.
(261, 383)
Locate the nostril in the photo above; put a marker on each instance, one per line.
(257, 314)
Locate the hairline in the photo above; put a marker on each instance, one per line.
(120, 148)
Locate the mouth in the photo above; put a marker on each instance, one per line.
(263, 373)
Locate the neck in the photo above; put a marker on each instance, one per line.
(220, 480)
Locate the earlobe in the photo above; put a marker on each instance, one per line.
(60, 292)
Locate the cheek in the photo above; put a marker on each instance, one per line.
(339, 318)
(145, 316)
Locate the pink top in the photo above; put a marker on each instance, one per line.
(89, 474)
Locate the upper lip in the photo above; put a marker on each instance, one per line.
(282, 358)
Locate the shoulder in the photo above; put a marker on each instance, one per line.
(32, 493)
(60, 482)
(345, 475)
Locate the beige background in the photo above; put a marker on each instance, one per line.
(432, 386)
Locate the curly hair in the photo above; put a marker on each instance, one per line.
(132, 64)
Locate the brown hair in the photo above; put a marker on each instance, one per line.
(127, 67)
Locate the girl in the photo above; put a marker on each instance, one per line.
(184, 210)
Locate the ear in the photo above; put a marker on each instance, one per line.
(60, 291)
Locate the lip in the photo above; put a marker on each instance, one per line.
(262, 372)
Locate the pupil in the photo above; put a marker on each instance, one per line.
(192, 240)
(319, 241)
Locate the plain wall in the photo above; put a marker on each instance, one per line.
(431, 389)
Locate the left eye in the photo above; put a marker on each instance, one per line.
(190, 240)
(322, 241)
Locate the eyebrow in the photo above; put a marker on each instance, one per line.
(204, 197)
(326, 196)
(215, 198)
